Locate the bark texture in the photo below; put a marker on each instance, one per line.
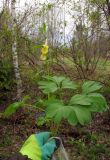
(14, 51)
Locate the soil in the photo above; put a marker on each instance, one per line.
(80, 142)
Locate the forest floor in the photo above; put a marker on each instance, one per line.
(82, 143)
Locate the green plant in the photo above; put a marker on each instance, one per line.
(12, 108)
(79, 107)
(54, 84)
(43, 121)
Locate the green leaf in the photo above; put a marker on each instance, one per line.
(57, 111)
(47, 86)
(80, 100)
(99, 103)
(72, 118)
(53, 83)
(74, 114)
(40, 121)
(56, 79)
(91, 86)
(11, 109)
(83, 114)
(52, 100)
(68, 84)
(63, 82)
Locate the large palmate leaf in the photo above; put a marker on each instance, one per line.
(47, 86)
(74, 114)
(72, 118)
(82, 114)
(90, 87)
(99, 103)
(54, 83)
(57, 79)
(57, 110)
(80, 99)
(68, 84)
(62, 82)
(78, 110)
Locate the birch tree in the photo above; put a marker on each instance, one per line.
(14, 51)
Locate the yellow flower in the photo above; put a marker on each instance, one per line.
(44, 51)
(43, 57)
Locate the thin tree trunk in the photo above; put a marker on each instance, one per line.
(14, 51)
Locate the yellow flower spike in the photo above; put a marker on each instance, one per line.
(44, 51)
(43, 57)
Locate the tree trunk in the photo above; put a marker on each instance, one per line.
(14, 51)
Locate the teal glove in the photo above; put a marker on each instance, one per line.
(47, 146)
(39, 147)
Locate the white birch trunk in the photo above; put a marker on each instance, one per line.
(14, 51)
